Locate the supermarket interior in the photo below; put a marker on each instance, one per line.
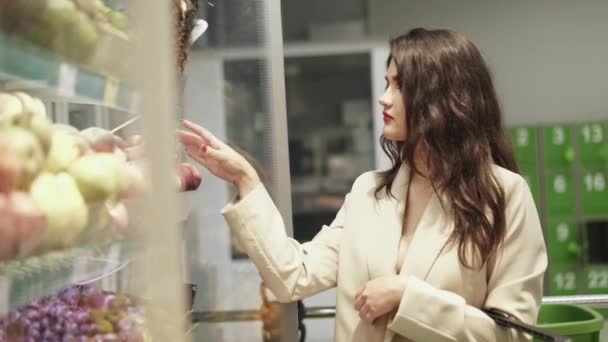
(110, 229)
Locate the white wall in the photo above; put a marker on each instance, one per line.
(298, 15)
(549, 57)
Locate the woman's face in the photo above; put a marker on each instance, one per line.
(393, 106)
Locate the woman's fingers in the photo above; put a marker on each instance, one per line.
(204, 162)
(365, 314)
(190, 139)
(359, 303)
(203, 133)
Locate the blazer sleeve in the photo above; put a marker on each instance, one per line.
(515, 286)
(289, 269)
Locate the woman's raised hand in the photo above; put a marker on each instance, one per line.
(217, 157)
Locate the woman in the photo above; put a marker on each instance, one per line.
(416, 251)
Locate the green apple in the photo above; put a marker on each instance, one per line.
(29, 106)
(101, 140)
(20, 109)
(27, 149)
(100, 176)
(82, 39)
(58, 197)
(118, 20)
(11, 110)
(66, 128)
(96, 9)
(65, 149)
(43, 129)
(39, 108)
(74, 33)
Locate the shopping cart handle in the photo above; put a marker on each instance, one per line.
(505, 320)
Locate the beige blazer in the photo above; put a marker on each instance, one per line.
(442, 299)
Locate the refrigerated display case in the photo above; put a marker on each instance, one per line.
(90, 245)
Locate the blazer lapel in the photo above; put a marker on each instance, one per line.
(429, 240)
(431, 235)
(385, 228)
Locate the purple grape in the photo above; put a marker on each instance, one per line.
(70, 296)
(88, 329)
(31, 331)
(81, 316)
(100, 301)
(68, 316)
(49, 336)
(71, 327)
(90, 291)
(14, 316)
(58, 328)
(24, 322)
(45, 322)
(31, 313)
(35, 325)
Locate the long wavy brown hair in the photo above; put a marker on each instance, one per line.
(184, 23)
(454, 116)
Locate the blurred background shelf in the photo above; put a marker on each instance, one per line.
(25, 68)
(24, 281)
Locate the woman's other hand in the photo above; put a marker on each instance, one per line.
(380, 296)
(217, 157)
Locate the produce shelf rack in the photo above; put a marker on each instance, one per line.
(25, 281)
(26, 68)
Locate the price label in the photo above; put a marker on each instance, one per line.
(5, 295)
(565, 281)
(67, 79)
(111, 91)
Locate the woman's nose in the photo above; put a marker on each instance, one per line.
(384, 101)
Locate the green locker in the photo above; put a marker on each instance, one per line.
(562, 241)
(563, 279)
(530, 174)
(592, 142)
(525, 145)
(596, 279)
(594, 190)
(560, 192)
(604, 149)
(558, 147)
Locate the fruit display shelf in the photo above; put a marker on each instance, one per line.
(38, 72)
(24, 281)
